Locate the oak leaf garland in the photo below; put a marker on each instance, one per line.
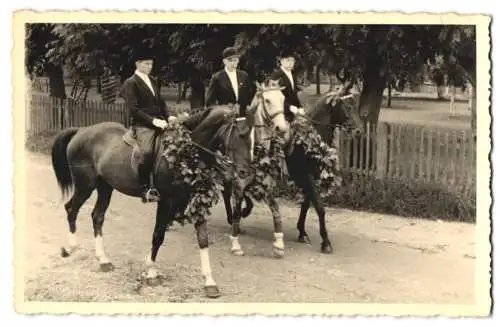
(191, 174)
(322, 158)
(268, 164)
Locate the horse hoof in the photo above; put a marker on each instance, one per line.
(212, 291)
(304, 239)
(326, 248)
(238, 253)
(278, 253)
(64, 252)
(107, 267)
(153, 281)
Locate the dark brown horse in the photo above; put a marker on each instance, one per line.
(330, 111)
(97, 158)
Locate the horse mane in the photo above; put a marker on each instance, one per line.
(210, 124)
(194, 120)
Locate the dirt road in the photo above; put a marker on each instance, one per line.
(377, 258)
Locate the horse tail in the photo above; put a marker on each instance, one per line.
(60, 160)
(245, 212)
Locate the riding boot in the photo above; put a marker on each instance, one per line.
(148, 192)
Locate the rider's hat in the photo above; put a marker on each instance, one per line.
(230, 52)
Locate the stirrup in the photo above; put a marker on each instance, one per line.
(151, 195)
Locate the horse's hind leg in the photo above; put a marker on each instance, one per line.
(164, 212)
(72, 207)
(278, 245)
(104, 191)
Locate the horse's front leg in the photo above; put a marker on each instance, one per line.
(163, 214)
(278, 244)
(235, 227)
(211, 289)
(226, 195)
(301, 222)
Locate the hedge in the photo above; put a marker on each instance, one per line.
(407, 198)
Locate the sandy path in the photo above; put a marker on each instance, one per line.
(377, 257)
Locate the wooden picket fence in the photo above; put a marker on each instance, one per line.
(47, 114)
(414, 153)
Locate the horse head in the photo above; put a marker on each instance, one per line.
(267, 111)
(221, 132)
(334, 109)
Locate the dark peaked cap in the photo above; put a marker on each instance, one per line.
(143, 53)
(230, 52)
(287, 53)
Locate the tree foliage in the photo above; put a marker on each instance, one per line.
(374, 54)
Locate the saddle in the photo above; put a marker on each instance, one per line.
(137, 156)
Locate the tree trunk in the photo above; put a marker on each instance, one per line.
(99, 84)
(318, 79)
(370, 102)
(197, 99)
(185, 87)
(389, 95)
(57, 93)
(332, 81)
(306, 77)
(374, 81)
(179, 92)
(56, 82)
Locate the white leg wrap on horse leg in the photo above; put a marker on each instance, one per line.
(150, 266)
(279, 241)
(99, 250)
(205, 267)
(235, 244)
(72, 240)
(71, 243)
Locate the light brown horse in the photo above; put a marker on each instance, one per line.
(330, 111)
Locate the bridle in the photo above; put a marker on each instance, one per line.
(268, 119)
(317, 123)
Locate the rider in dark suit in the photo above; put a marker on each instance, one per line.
(289, 81)
(230, 85)
(148, 115)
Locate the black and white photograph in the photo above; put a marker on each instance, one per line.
(252, 158)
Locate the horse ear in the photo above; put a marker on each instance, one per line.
(274, 83)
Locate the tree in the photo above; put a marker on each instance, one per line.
(39, 60)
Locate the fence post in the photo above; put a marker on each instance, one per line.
(382, 149)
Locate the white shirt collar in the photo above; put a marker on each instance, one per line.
(233, 73)
(288, 74)
(142, 75)
(286, 71)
